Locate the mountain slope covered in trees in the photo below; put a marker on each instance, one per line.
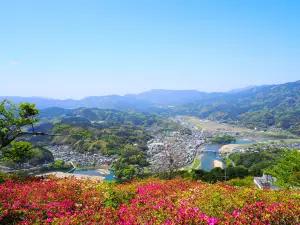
(274, 105)
(261, 106)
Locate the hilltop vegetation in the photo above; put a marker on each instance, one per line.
(110, 130)
(103, 118)
(280, 163)
(150, 201)
(257, 161)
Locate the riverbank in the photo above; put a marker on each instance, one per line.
(217, 163)
(197, 162)
(76, 176)
(228, 148)
(93, 167)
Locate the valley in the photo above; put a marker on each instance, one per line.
(160, 131)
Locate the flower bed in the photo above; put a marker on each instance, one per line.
(151, 201)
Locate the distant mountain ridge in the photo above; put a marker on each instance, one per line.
(142, 100)
(260, 106)
(242, 89)
(149, 100)
(106, 102)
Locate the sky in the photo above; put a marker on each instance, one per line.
(74, 48)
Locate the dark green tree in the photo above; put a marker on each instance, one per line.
(14, 119)
(18, 121)
(287, 170)
(19, 152)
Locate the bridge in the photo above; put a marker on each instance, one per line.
(74, 167)
(205, 150)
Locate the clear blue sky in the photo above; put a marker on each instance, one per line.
(61, 48)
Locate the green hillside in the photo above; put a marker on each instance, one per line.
(262, 107)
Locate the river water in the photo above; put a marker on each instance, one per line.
(207, 158)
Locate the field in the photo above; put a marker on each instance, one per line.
(214, 126)
(197, 162)
(151, 201)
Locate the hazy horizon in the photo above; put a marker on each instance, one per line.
(74, 49)
(46, 97)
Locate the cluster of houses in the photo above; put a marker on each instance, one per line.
(176, 146)
(68, 155)
(180, 146)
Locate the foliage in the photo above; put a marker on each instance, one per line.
(130, 164)
(150, 201)
(16, 122)
(287, 169)
(105, 118)
(40, 156)
(213, 176)
(3, 177)
(258, 160)
(19, 152)
(241, 182)
(58, 163)
(74, 132)
(108, 130)
(280, 163)
(13, 119)
(225, 139)
(219, 174)
(196, 163)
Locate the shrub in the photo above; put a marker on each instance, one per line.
(148, 201)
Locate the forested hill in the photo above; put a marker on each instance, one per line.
(261, 106)
(273, 105)
(105, 132)
(100, 118)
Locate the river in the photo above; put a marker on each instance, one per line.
(207, 158)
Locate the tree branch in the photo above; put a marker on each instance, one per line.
(40, 134)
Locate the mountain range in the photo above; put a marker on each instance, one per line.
(254, 106)
(144, 101)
